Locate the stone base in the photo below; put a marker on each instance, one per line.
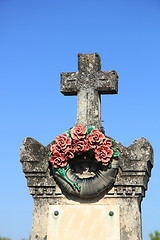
(126, 194)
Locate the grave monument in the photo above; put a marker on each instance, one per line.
(87, 186)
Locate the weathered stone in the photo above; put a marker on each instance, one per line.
(88, 84)
(127, 192)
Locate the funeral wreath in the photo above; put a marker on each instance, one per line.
(77, 141)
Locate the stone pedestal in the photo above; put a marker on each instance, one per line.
(117, 208)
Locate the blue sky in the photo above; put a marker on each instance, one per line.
(38, 40)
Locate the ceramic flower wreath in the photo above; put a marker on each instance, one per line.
(79, 140)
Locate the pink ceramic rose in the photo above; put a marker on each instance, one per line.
(95, 139)
(80, 146)
(63, 142)
(58, 160)
(54, 148)
(78, 132)
(103, 154)
(107, 142)
(69, 153)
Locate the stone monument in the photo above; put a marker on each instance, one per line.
(87, 186)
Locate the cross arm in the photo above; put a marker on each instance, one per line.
(107, 82)
(69, 83)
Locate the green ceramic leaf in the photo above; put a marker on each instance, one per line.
(49, 154)
(112, 141)
(109, 165)
(90, 129)
(62, 171)
(115, 153)
(68, 132)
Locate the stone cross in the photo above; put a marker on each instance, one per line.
(88, 84)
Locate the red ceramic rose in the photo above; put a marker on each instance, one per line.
(69, 153)
(54, 148)
(107, 142)
(63, 142)
(78, 132)
(80, 146)
(103, 154)
(58, 160)
(95, 139)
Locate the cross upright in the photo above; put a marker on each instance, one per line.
(88, 84)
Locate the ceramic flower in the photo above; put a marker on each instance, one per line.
(78, 132)
(54, 149)
(103, 154)
(63, 142)
(80, 146)
(58, 160)
(69, 153)
(106, 142)
(95, 139)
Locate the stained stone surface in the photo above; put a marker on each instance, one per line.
(135, 162)
(79, 222)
